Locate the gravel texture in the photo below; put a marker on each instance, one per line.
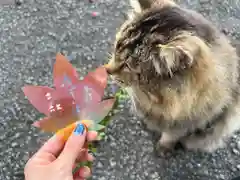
(30, 36)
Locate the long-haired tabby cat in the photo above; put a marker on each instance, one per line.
(181, 73)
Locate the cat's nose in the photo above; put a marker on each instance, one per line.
(108, 69)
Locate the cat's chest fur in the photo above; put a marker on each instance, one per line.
(174, 111)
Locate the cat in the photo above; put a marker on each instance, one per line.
(181, 73)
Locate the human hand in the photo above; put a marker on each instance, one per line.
(56, 159)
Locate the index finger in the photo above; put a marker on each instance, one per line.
(92, 136)
(53, 146)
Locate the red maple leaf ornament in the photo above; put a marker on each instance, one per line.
(72, 100)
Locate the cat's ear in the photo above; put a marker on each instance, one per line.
(141, 5)
(180, 54)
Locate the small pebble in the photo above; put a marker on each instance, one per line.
(89, 66)
(234, 169)
(238, 145)
(95, 14)
(99, 165)
(198, 165)
(221, 176)
(14, 144)
(235, 151)
(112, 162)
(18, 2)
(121, 106)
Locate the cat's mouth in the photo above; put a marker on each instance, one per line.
(111, 70)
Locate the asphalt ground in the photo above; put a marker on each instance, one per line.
(31, 34)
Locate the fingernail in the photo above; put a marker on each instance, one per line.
(79, 130)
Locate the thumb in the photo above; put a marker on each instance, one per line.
(73, 146)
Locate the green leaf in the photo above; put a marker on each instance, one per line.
(97, 127)
(101, 135)
(94, 150)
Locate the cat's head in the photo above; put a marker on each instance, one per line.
(161, 45)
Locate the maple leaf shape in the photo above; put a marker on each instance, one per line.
(71, 100)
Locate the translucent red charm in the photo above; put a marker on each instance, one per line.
(72, 99)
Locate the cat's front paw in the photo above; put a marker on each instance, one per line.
(208, 145)
(163, 147)
(167, 144)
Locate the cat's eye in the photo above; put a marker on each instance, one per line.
(136, 70)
